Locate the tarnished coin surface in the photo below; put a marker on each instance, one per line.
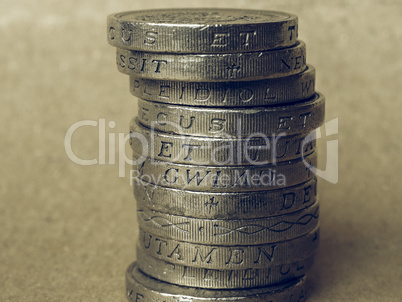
(228, 257)
(229, 231)
(140, 287)
(202, 30)
(286, 120)
(243, 66)
(195, 150)
(225, 178)
(222, 205)
(269, 92)
(222, 279)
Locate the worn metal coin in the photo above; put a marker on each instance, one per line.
(244, 66)
(268, 92)
(195, 150)
(222, 279)
(140, 287)
(228, 257)
(225, 178)
(221, 205)
(286, 120)
(202, 30)
(230, 231)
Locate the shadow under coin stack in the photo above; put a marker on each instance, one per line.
(223, 143)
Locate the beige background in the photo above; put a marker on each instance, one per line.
(67, 231)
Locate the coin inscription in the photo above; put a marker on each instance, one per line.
(231, 179)
(253, 122)
(247, 66)
(227, 257)
(218, 151)
(141, 288)
(222, 205)
(222, 279)
(255, 93)
(209, 30)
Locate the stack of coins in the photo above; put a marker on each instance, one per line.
(223, 145)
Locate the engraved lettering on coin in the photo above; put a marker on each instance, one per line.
(209, 30)
(222, 279)
(248, 66)
(141, 288)
(228, 257)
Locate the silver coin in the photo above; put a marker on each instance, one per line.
(194, 150)
(228, 257)
(269, 92)
(286, 120)
(209, 30)
(222, 279)
(245, 66)
(230, 232)
(221, 205)
(140, 287)
(225, 178)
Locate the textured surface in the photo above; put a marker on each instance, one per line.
(68, 231)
